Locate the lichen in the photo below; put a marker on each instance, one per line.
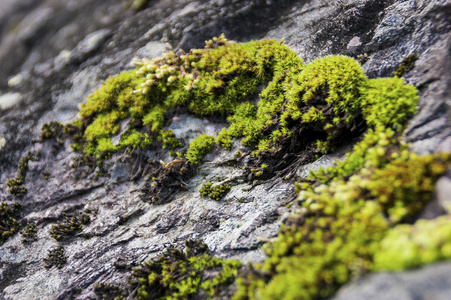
(9, 220)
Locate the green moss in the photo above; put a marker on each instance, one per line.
(181, 275)
(51, 130)
(169, 140)
(347, 212)
(70, 225)
(29, 235)
(409, 246)
(9, 220)
(388, 102)
(135, 140)
(216, 192)
(109, 291)
(16, 184)
(408, 63)
(55, 257)
(198, 147)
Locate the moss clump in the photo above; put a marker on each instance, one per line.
(169, 140)
(109, 291)
(214, 192)
(347, 211)
(51, 130)
(29, 234)
(409, 246)
(55, 258)
(69, 226)
(16, 184)
(177, 274)
(9, 220)
(198, 147)
(388, 102)
(315, 107)
(407, 64)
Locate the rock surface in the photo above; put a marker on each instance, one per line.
(53, 54)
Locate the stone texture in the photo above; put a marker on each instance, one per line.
(55, 53)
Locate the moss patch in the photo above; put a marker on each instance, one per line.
(16, 184)
(347, 211)
(407, 64)
(55, 257)
(216, 192)
(178, 275)
(29, 234)
(69, 226)
(9, 220)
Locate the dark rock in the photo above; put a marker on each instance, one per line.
(53, 54)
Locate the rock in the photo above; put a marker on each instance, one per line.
(431, 282)
(54, 54)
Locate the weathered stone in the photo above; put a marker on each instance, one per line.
(53, 54)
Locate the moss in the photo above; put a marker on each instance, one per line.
(29, 234)
(109, 291)
(9, 220)
(347, 212)
(181, 275)
(51, 130)
(388, 102)
(70, 225)
(198, 147)
(55, 257)
(16, 184)
(409, 246)
(176, 274)
(407, 64)
(169, 139)
(216, 192)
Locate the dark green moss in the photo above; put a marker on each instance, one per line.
(55, 258)
(406, 65)
(29, 234)
(70, 225)
(9, 220)
(109, 291)
(16, 184)
(216, 192)
(51, 130)
(176, 274)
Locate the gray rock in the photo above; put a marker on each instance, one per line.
(431, 283)
(54, 54)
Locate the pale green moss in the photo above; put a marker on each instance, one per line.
(409, 246)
